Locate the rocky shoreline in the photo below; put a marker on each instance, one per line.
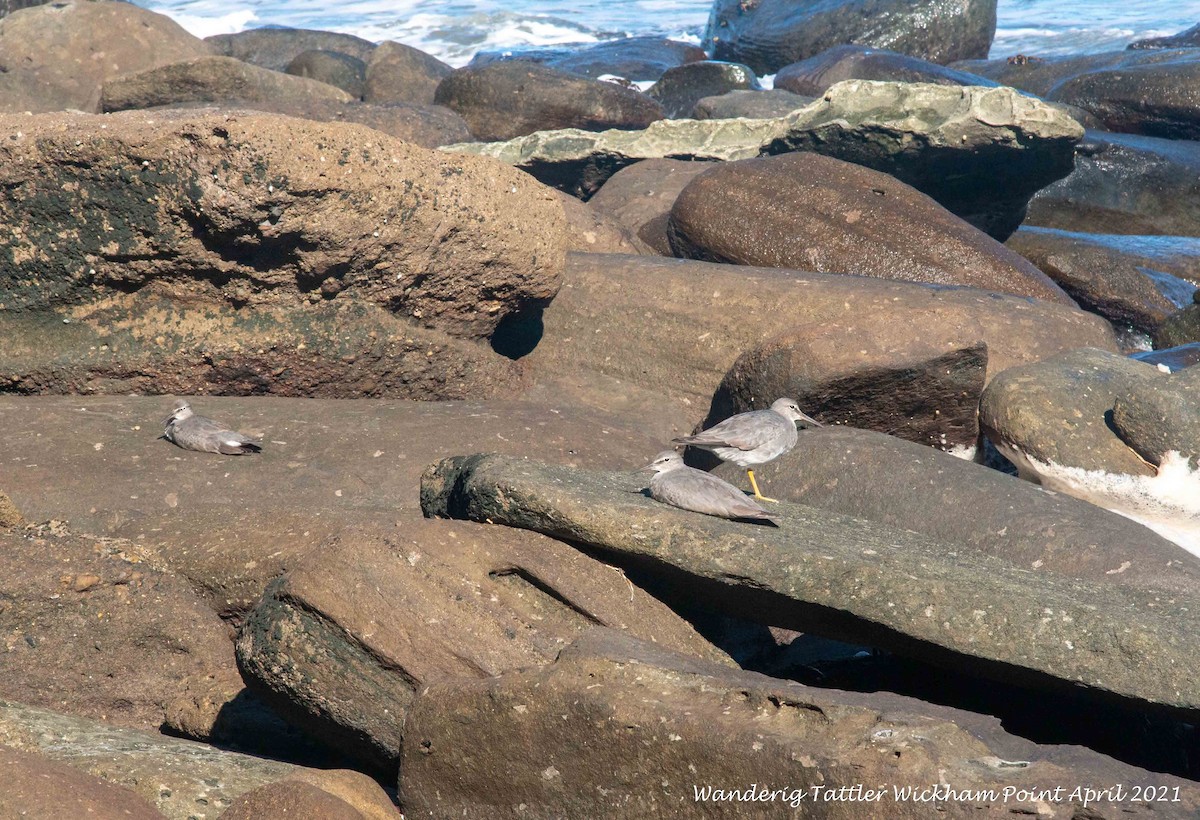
(459, 308)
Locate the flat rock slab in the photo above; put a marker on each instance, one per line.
(341, 643)
(617, 728)
(947, 142)
(182, 779)
(855, 580)
(35, 787)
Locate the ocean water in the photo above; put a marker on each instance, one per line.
(453, 30)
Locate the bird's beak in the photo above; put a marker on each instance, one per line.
(168, 419)
(649, 468)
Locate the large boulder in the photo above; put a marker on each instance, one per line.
(755, 105)
(62, 53)
(342, 642)
(275, 47)
(855, 580)
(41, 789)
(258, 210)
(850, 62)
(1181, 328)
(637, 59)
(332, 67)
(680, 88)
(503, 100)
(980, 152)
(769, 34)
(429, 126)
(1040, 76)
(1162, 418)
(1125, 184)
(1189, 38)
(810, 212)
(640, 196)
(397, 73)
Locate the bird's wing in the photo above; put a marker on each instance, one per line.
(705, 493)
(745, 431)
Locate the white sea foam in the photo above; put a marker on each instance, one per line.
(1167, 502)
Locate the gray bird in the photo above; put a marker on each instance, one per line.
(753, 438)
(191, 432)
(685, 487)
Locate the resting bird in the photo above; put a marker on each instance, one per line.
(191, 432)
(685, 487)
(753, 438)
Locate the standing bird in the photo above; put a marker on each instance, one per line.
(685, 487)
(191, 432)
(753, 438)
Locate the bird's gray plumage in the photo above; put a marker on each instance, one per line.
(752, 438)
(685, 487)
(191, 432)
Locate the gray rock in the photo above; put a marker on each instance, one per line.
(770, 34)
(1189, 38)
(275, 48)
(1125, 184)
(620, 728)
(1039, 75)
(854, 62)
(1161, 418)
(761, 105)
(340, 70)
(397, 73)
(680, 88)
(639, 59)
(946, 142)
(428, 126)
(864, 583)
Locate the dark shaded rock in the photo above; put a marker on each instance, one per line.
(697, 318)
(275, 48)
(875, 377)
(1158, 100)
(1125, 184)
(640, 196)
(400, 73)
(223, 80)
(509, 99)
(446, 599)
(1175, 358)
(1189, 38)
(640, 59)
(839, 469)
(1162, 418)
(287, 798)
(1039, 75)
(771, 34)
(852, 62)
(680, 88)
(49, 51)
(755, 105)
(866, 583)
(1180, 328)
(617, 722)
(1135, 281)
(428, 126)
(810, 212)
(41, 789)
(177, 776)
(332, 67)
(255, 210)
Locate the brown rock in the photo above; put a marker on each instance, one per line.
(811, 212)
(856, 62)
(274, 48)
(257, 210)
(40, 789)
(64, 52)
(1040, 75)
(640, 196)
(342, 642)
(10, 516)
(332, 67)
(639, 59)
(591, 230)
(503, 100)
(428, 126)
(397, 73)
(289, 798)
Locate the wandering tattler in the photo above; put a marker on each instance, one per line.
(191, 432)
(685, 487)
(753, 438)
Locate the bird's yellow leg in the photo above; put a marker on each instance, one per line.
(757, 494)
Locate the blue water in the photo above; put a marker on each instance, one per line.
(454, 30)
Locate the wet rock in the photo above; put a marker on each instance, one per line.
(1189, 38)
(177, 776)
(618, 722)
(1156, 99)
(44, 47)
(332, 67)
(35, 787)
(1039, 75)
(853, 62)
(343, 641)
(809, 212)
(1162, 418)
(639, 59)
(980, 152)
(1175, 358)
(597, 331)
(428, 126)
(1134, 281)
(866, 584)
(509, 99)
(762, 105)
(1180, 328)
(640, 196)
(275, 48)
(223, 80)
(868, 376)
(254, 211)
(399, 73)
(770, 34)
(680, 88)
(838, 469)
(1125, 184)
